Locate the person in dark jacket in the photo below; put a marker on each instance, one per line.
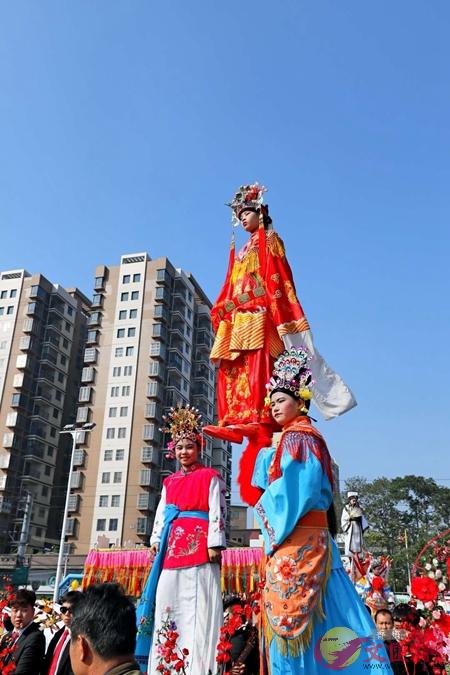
(26, 639)
(57, 657)
(104, 633)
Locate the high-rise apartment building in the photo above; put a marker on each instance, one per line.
(42, 333)
(148, 348)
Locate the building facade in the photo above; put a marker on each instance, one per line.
(148, 344)
(42, 333)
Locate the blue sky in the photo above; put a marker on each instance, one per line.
(125, 126)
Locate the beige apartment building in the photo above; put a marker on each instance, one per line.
(42, 333)
(148, 344)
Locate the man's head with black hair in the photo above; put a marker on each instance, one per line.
(68, 602)
(103, 630)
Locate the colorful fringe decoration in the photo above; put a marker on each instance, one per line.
(127, 568)
(241, 570)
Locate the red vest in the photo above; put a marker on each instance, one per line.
(188, 539)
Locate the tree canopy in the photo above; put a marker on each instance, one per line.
(403, 514)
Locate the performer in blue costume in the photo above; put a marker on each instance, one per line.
(312, 620)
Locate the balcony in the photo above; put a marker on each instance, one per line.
(159, 331)
(143, 526)
(11, 420)
(148, 478)
(22, 361)
(77, 480)
(150, 456)
(97, 300)
(146, 502)
(95, 319)
(157, 351)
(88, 374)
(25, 343)
(154, 390)
(161, 313)
(28, 326)
(5, 460)
(71, 527)
(162, 276)
(85, 395)
(74, 503)
(8, 440)
(162, 295)
(83, 415)
(90, 355)
(79, 457)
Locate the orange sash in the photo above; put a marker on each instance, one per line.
(295, 580)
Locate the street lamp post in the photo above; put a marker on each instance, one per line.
(72, 430)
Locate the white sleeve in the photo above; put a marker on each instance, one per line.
(217, 513)
(158, 524)
(330, 393)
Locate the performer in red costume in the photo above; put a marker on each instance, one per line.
(256, 316)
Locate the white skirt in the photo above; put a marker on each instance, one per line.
(192, 598)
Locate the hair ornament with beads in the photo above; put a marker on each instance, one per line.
(182, 423)
(291, 374)
(247, 197)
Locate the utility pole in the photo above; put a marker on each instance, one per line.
(25, 531)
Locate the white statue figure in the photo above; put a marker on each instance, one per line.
(353, 524)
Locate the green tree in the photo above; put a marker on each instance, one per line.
(411, 505)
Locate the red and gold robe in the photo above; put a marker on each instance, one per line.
(256, 308)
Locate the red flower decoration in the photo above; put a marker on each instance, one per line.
(425, 589)
(378, 584)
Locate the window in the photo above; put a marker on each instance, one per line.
(121, 332)
(122, 432)
(97, 299)
(65, 341)
(110, 433)
(129, 351)
(85, 394)
(126, 391)
(126, 279)
(3, 294)
(112, 412)
(117, 371)
(135, 295)
(47, 470)
(122, 314)
(68, 326)
(99, 282)
(91, 336)
(2, 311)
(61, 379)
(115, 500)
(52, 432)
(127, 370)
(117, 476)
(133, 313)
(113, 524)
(10, 309)
(63, 359)
(69, 310)
(124, 411)
(90, 355)
(108, 455)
(106, 477)
(103, 500)
(131, 332)
(55, 413)
(124, 297)
(101, 524)
(120, 454)
(118, 351)
(44, 491)
(58, 395)
(136, 278)
(114, 391)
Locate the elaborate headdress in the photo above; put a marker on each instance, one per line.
(291, 374)
(247, 197)
(183, 423)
